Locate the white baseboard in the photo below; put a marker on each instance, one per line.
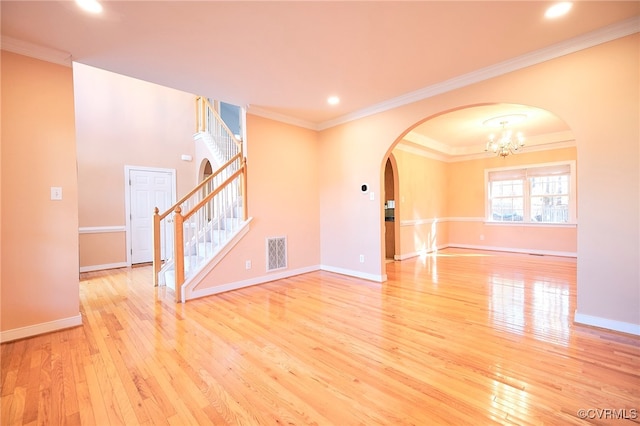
(356, 274)
(92, 268)
(45, 327)
(418, 253)
(609, 324)
(197, 293)
(515, 250)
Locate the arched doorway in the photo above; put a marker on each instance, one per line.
(442, 169)
(205, 170)
(390, 208)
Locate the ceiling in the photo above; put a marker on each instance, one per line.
(284, 59)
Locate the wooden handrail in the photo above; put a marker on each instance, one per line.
(212, 194)
(199, 186)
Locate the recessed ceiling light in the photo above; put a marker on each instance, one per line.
(91, 6)
(558, 10)
(333, 100)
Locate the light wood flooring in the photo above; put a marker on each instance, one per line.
(461, 337)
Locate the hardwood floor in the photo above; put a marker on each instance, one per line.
(463, 337)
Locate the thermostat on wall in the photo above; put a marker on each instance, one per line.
(364, 188)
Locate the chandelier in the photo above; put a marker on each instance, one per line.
(506, 142)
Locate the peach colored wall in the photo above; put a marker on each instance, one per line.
(600, 106)
(40, 270)
(283, 186)
(351, 223)
(422, 200)
(124, 121)
(552, 240)
(423, 186)
(102, 249)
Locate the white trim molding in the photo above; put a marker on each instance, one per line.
(42, 328)
(609, 324)
(429, 221)
(271, 115)
(515, 250)
(101, 229)
(92, 268)
(31, 50)
(195, 294)
(357, 274)
(419, 253)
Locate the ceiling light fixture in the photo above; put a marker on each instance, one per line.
(333, 100)
(506, 143)
(91, 6)
(558, 9)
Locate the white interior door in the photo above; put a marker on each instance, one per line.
(148, 189)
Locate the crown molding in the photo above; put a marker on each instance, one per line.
(585, 41)
(25, 48)
(283, 118)
(417, 149)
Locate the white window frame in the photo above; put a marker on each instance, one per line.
(527, 194)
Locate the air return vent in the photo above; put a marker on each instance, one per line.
(276, 253)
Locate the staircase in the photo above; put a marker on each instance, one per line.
(193, 235)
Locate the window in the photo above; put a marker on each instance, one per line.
(542, 193)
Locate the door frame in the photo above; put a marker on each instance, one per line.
(127, 198)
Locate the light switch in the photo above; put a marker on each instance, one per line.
(372, 196)
(56, 193)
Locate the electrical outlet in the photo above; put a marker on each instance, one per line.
(362, 258)
(481, 237)
(247, 264)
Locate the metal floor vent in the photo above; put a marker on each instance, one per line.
(276, 253)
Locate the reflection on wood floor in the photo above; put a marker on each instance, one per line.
(461, 337)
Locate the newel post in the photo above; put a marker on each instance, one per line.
(156, 246)
(179, 251)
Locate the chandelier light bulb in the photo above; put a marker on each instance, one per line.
(506, 143)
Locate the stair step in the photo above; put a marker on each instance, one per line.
(206, 249)
(189, 261)
(231, 223)
(215, 236)
(203, 251)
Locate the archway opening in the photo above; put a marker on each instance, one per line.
(446, 197)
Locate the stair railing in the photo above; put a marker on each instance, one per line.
(206, 226)
(208, 120)
(205, 217)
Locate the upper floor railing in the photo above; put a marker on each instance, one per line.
(208, 120)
